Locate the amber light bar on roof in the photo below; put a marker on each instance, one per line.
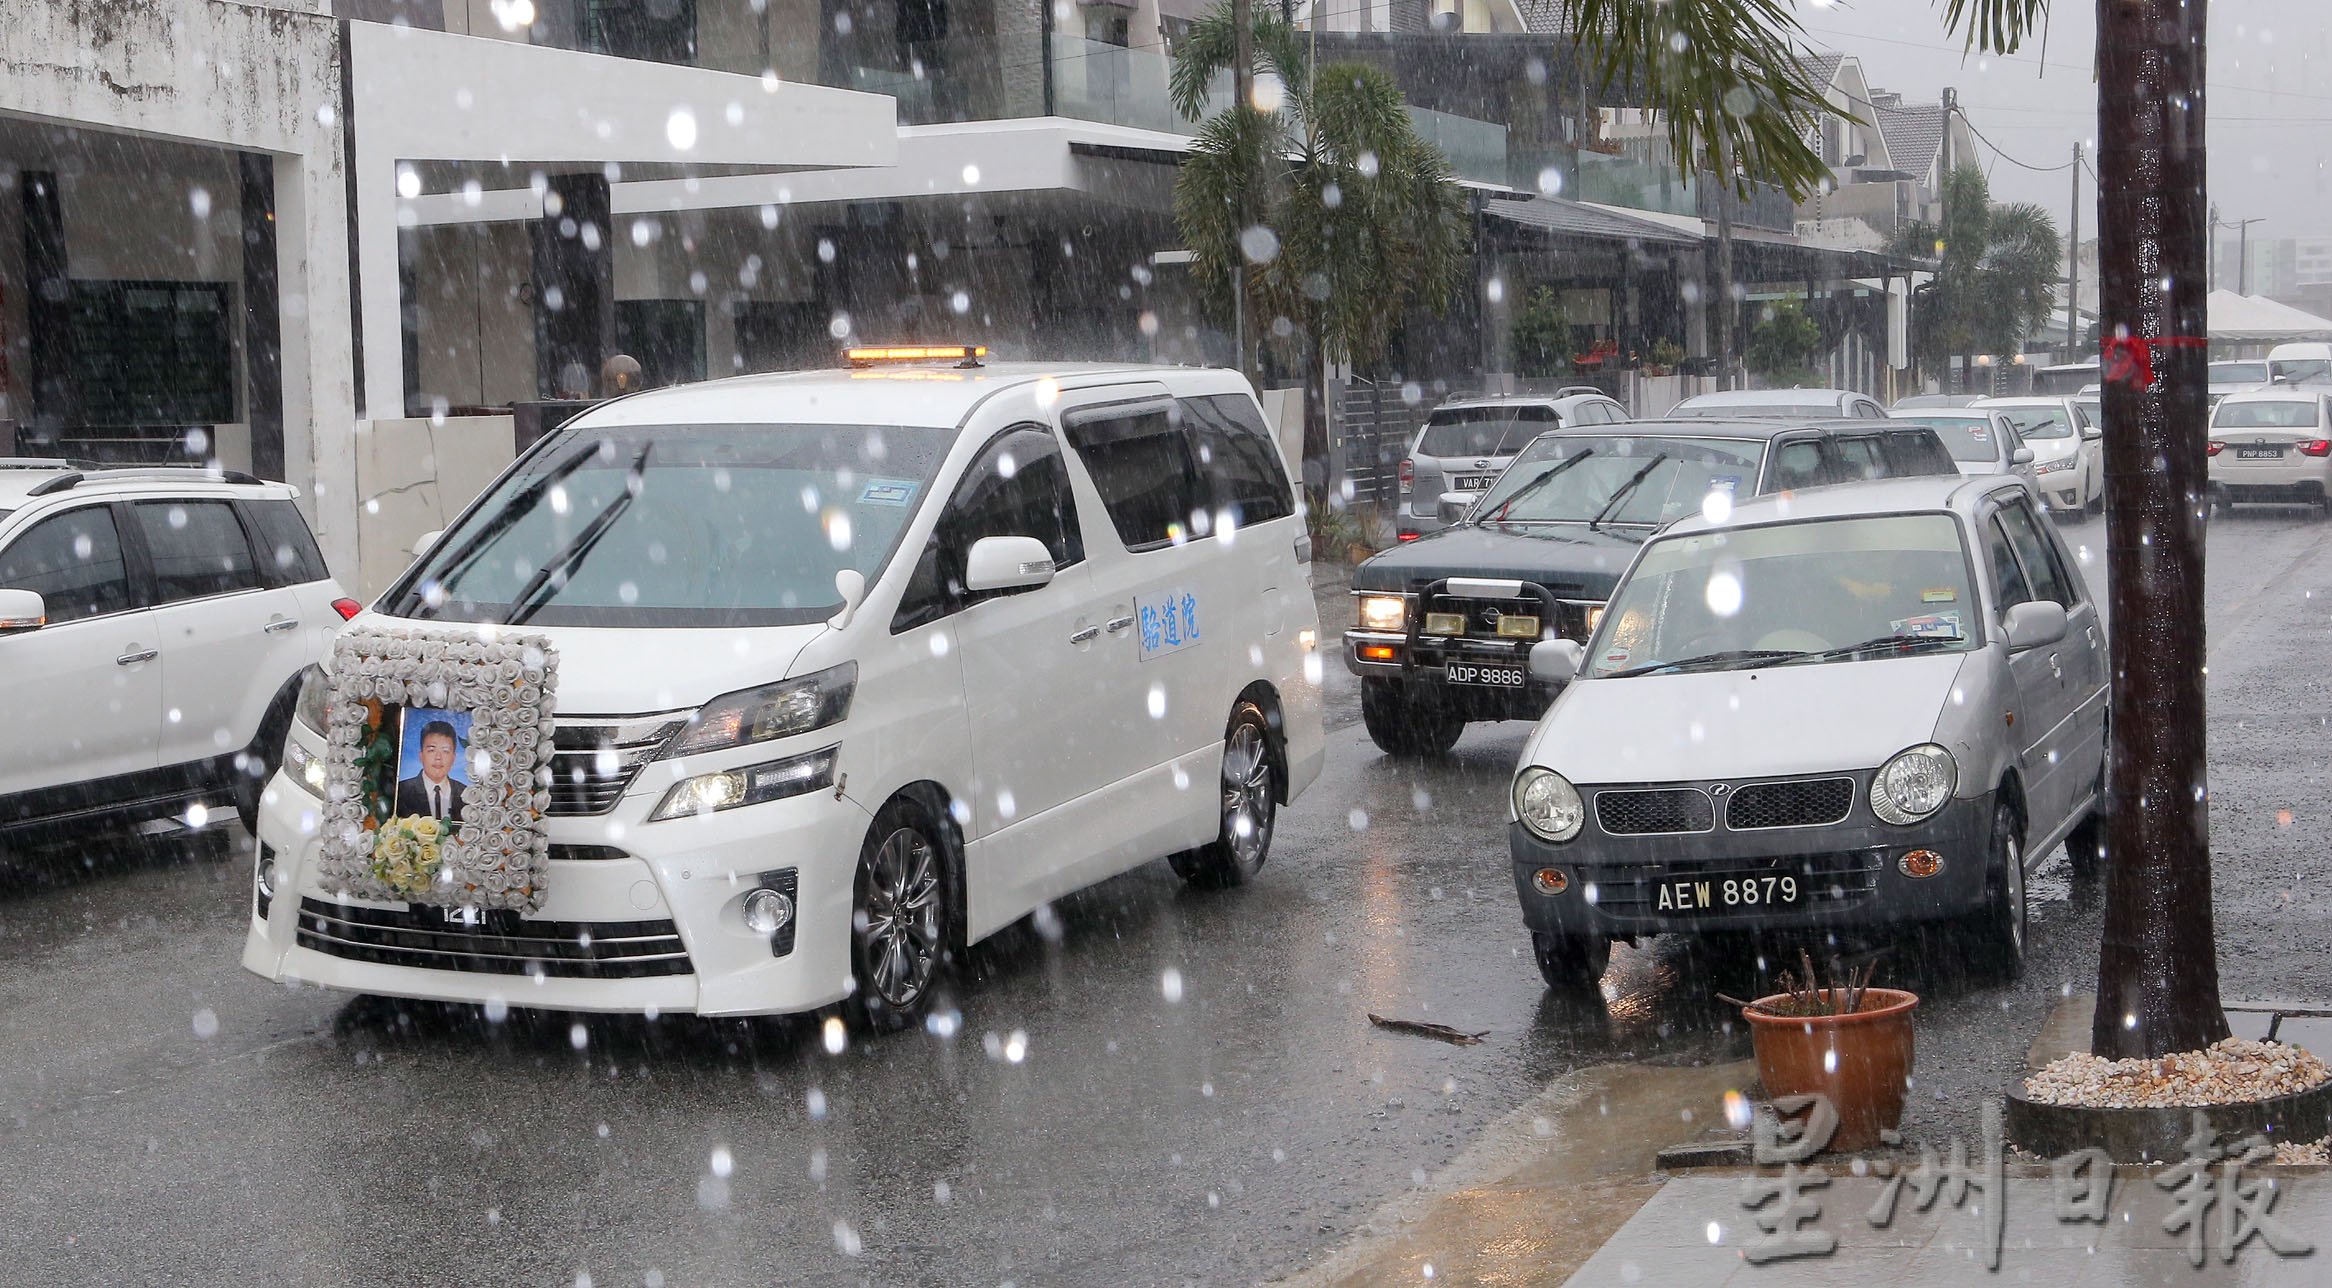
(869, 356)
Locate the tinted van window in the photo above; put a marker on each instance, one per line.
(1145, 469)
(1237, 452)
(1017, 488)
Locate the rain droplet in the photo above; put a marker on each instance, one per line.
(1016, 1047)
(835, 1036)
(206, 1024)
(1359, 820)
(1259, 244)
(723, 1162)
(1157, 702)
(578, 1037)
(1170, 983)
(680, 129)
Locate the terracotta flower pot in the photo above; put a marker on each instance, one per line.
(1860, 1061)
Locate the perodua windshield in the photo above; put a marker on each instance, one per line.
(1614, 479)
(1818, 591)
(680, 526)
(1967, 437)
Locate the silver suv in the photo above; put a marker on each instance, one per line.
(1464, 446)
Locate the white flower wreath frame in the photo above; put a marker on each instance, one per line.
(508, 683)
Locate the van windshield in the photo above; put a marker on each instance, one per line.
(2302, 370)
(680, 525)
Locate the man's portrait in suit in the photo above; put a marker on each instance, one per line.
(430, 771)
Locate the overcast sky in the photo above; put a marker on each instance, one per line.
(2269, 105)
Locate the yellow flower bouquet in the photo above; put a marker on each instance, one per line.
(406, 854)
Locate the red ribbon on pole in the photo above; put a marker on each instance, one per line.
(2131, 357)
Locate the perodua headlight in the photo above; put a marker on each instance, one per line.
(1548, 805)
(310, 706)
(1913, 784)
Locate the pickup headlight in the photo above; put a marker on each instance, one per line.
(303, 767)
(311, 707)
(1913, 784)
(1384, 612)
(1548, 805)
(2051, 467)
(772, 711)
(747, 785)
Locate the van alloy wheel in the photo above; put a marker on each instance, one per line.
(1248, 812)
(901, 926)
(1248, 809)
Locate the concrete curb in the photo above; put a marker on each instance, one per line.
(1542, 1188)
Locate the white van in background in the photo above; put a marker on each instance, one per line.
(2300, 364)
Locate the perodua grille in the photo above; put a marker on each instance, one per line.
(596, 758)
(1658, 810)
(1812, 802)
(500, 943)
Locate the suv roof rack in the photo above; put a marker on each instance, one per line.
(170, 473)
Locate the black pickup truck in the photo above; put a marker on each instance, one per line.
(1446, 622)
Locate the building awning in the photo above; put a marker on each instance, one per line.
(1557, 217)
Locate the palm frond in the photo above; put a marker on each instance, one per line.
(1995, 26)
(1713, 68)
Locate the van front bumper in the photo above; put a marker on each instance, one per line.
(1849, 875)
(639, 917)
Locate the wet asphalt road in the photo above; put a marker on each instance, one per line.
(1155, 1085)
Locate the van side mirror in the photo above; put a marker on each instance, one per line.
(1453, 505)
(1556, 661)
(21, 611)
(427, 541)
(1007, 563)
(2033, 624)
(2021, 456)
(2092, 432)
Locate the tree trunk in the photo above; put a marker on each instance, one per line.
(2157, 970)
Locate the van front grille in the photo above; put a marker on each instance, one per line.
(499, 942)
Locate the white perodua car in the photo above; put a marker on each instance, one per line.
(856, 668)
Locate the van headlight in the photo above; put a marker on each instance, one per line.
(772, 711)
(1548, 805)
(303, 767)
(747, 785)
(311, 707)
(1913, 784)
(1384, 612)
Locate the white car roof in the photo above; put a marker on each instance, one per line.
(1518, 400)
(931, 395)
(2025, 400)
(18, 481)
(1913, 495)
(1769, 398)
(2277, 393)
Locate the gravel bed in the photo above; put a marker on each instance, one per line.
(2232, 1070)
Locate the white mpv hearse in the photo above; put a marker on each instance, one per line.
(856, 667)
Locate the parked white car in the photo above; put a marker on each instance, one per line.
(2273, 445)
(1981, 441)
(1789, 404)
(1791, 719)
(864, 666)
(2068, 448)
(1464, 446)
(153, 626)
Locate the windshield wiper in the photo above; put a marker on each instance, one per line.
(1535, 484)
(1730, 657)
(538, 589)
(1895, 642)
(472, 549)
(1624, 489)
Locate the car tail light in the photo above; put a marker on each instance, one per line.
(1407, 536)
(1408, 472)
(2213, 447)
(347, 608)
(2316, 447)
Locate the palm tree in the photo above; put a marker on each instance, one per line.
(1335, 212)
(1994, 289)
